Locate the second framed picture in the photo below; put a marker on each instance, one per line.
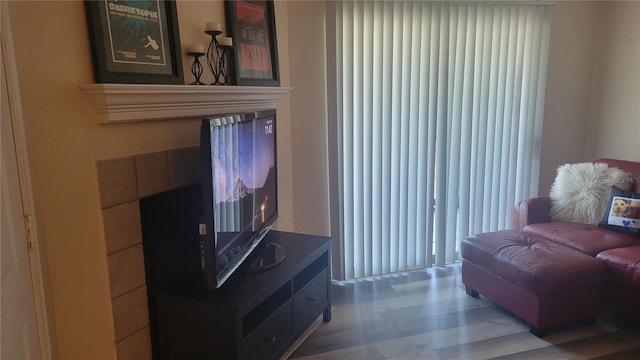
(252, 26)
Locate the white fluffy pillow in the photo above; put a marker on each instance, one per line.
(580, 192)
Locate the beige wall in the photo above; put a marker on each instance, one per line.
(614, 121)
(592, 103)
(64, 141)
(309, 116)
(571, 50)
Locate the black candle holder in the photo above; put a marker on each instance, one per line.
(214, 53)
(225, 66)
(196, 67)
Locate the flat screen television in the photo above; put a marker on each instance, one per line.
(239, 192)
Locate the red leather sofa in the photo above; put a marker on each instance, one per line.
(619, 252)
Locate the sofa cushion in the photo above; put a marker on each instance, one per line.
(623, 266)
(631, 166)
(623, 212)
(580, 192)
(589, 239)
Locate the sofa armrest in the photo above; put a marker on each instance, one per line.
(531, 211)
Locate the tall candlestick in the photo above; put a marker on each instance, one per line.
(196, 67)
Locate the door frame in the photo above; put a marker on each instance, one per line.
(13, 92)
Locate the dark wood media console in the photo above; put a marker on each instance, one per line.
(252, 316)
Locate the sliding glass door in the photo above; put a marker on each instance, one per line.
(435, 126)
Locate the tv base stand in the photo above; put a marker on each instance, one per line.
(252, 316)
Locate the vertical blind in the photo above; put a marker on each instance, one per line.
(438, 118)
(227, 140)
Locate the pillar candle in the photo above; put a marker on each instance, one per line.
(196, 48)
(213, 26)
(225, 41)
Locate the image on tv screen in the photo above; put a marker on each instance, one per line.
(244, 179)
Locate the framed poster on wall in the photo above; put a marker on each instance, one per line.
(252, 26)
(135, 41)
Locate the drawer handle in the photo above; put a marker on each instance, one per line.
(271, 340)
(312, 299)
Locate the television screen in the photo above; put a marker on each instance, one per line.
(241, 189)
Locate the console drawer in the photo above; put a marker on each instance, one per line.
(310, 300)
(268, 338)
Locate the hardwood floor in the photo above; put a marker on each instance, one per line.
(427, 315)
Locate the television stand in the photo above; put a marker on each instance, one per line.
(253, 315)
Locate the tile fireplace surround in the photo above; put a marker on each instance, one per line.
(122, 182)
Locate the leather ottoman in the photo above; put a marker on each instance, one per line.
(542, 282)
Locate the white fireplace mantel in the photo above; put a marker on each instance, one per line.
(117, 103)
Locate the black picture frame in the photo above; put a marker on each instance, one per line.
(135, 44)
(252, 26)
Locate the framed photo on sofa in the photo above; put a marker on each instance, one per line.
(135, 42)
(252, 26)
